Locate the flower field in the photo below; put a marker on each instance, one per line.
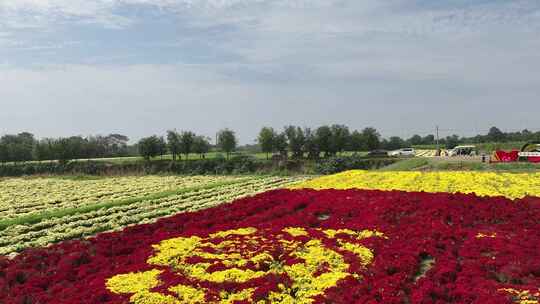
(510, 185)
(90, 217)
(26, 196)
(339, 242)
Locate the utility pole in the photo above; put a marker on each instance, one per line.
(437, 131)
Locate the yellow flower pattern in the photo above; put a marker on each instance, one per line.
(247, 246)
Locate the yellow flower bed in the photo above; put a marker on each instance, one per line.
(511, 185)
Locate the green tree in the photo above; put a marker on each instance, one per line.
(496, 135)
(149, 147)
(95, 147)
(340, 138)
(324, 140)
(4, 155)
(428, 139)
(173, 142)
(415, 140)
(394, 143)
(186, 143)
(77, 147)
(281, 144)
(356, 142)
(311, 146)
(452, 141)
(18, 147)
(526, 135)
(297, 141)
(372, 138)
(266, 140)
(227, 141)
(42, 150)
(162, 146)
(63, 150)
(9, 148)
(201, 146)
(26, 142)
(116, 145)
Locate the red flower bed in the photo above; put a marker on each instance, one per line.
(432, 248)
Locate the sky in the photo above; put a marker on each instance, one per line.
(141, 67)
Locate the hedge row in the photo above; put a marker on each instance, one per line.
(236, 165)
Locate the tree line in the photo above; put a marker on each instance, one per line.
(330, 140)
(185, 143)
(327, 140)
(24, 147)
(495, 135)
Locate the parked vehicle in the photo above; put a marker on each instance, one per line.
(378, 152)
(403, 152)
(463, 151)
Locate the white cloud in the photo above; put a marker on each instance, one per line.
(318, 58)
(43, 13)
(294, 15)
(144, 99)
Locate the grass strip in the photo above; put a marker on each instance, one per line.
(41, 216)
(406, 164)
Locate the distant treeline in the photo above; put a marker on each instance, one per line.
(25, 147)
(325, 141)
(331, 140)
(300, 142)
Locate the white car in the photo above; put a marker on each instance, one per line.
(403, 152)
(463, 150)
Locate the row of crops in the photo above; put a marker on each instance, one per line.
(20, 196)
(353, 237)
(37, 217)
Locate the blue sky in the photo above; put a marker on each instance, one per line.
(140, 67)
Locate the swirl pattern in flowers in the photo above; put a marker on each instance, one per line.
(305, 246)
(306, 262)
